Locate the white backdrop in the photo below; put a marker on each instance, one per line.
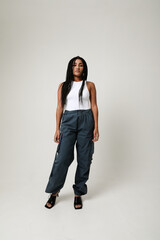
(120, 42)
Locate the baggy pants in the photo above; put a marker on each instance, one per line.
(76, 127)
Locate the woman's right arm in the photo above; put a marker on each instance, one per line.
(59, 112)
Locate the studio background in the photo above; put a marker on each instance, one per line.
(120, 42)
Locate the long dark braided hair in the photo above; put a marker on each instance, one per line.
(67, 85)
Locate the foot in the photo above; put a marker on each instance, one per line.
(53, 194)
(78, 205)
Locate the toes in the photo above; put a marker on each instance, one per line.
(77, 206)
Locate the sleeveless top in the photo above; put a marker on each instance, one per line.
(72, 99)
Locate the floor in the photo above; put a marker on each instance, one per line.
(112, 210)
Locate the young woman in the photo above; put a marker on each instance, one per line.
(76, 122)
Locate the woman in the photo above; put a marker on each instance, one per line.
(76, 122)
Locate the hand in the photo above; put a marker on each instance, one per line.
(57, 136)
(95, 135)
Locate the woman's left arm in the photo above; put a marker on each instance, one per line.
(94, 107)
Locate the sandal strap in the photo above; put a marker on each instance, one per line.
(52, 199)
(78, 200)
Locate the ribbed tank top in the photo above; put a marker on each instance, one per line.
(72, 99)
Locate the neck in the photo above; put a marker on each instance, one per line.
(77, 79)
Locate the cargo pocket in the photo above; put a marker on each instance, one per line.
(59, 144)
(56, 158)
(92, 150)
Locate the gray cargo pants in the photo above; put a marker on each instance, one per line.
(76, 126)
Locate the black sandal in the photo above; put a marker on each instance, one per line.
(52, 200)
(78, 201)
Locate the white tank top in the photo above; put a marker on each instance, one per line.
(72, 99)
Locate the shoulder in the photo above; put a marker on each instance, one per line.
(60, 85)
(90, 84)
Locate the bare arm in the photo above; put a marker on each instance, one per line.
(59, 112)
(94, 107)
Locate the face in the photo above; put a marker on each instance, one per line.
(78, 68)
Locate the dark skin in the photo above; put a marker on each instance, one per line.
(77, 73)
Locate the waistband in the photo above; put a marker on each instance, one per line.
(77, 111)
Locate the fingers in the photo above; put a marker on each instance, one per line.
(96, 136)
(56, 139)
